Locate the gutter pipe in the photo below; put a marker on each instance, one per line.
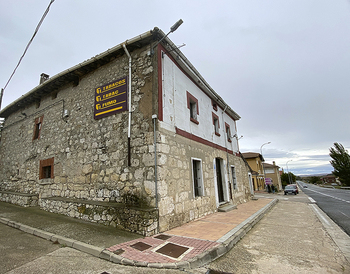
(154, 118)
(129, 99)
(228, 161)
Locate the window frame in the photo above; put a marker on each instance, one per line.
(38, 124)
(192, 102)
(228, 132)
(42, 168)
(216, 125)
(200, 188)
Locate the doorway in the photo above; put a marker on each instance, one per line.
(219, 179)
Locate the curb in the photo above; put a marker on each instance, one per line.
(226, 244)
(340, 238)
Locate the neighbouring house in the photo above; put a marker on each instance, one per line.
(255, 161)
(329, 179)
(272, 173)
(133, 137)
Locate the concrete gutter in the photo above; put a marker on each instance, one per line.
(226, 243)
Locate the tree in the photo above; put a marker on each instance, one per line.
(287, 178)
(340, 163)
(314, 180)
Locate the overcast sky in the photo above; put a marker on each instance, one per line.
(283, 66)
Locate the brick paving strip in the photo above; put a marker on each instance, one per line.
(198, 236)
(150, 255)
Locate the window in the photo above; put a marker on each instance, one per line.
(216, 124)
(46, 169)
(198, 189)
(234, 179)
(37, 127)
(192, 105)
(228, 132)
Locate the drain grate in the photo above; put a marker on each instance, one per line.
(141, 246)
(172, 250)
(162, 237)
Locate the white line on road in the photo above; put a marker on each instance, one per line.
(330, 196)
(344, 214)
(312, 200)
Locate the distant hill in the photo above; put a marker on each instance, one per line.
(310, 175)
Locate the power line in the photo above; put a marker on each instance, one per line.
(25, 50)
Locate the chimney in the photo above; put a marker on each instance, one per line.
(43, 78)
(274, 163)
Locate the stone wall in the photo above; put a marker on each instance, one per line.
(21, 199)
(134, 219)
(177, 203)
(90, 156)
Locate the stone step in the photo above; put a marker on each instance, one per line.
(227, 207)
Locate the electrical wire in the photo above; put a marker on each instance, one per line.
(31, 40)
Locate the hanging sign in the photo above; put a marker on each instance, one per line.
(111, 98)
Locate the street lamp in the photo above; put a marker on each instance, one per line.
(288, 171)
(263, 158)
(262, 147)
(172, 29)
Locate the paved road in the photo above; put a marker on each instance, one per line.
(334, 202)
(18, 248)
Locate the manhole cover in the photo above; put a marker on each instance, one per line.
(119, 251)
(172, 250)
(163, 237)
(141, 246)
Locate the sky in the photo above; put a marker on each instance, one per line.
(283, 66)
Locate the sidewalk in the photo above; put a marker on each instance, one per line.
(292, 238)
(189, 246)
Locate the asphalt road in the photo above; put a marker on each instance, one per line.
(334, 202)
(18, 248)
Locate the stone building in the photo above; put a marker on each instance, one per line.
(83, 142)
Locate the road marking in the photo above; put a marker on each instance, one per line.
(312, 200)
(320, 215)
(330, 196)
(344, 214)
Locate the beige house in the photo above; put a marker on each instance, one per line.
(255, 161)
(272, 172)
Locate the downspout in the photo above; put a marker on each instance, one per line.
(154, 118)
(130, 110)
(228, 162)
